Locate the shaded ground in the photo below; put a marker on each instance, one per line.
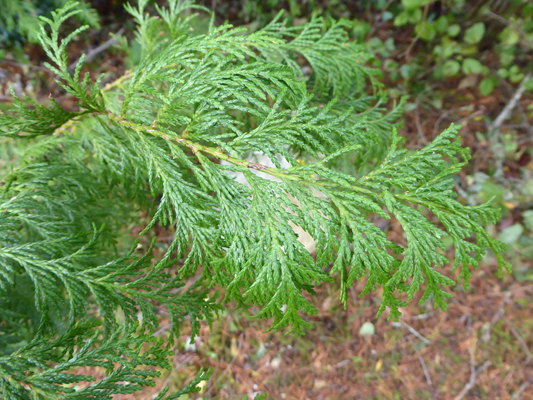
(428, 355)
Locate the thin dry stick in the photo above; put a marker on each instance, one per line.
(519, 338)
(424, 368)
(443, 116)
(461, 120)
(162, 330)
(343, 363)
(420, 316)
(407, 52)
(437, 388)
(511, 105)
(412, 330)
(374, 25)
(474, 374)
(523, 37)
(94, 52)
(523, 386)
(496, 317)
(16, 64)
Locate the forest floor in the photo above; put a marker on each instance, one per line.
(478, 349)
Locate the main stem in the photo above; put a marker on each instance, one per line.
(199, 148)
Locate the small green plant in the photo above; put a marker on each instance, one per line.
(168, 138)
(455, 31)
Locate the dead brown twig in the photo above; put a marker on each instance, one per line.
(524, 38)
(407, 52)
(425, 340)
(522, 387)
(94, 52)
(511, 104)
(474, 374)
(374, 25)
(497, 316)
(519, 338)
(21, 65)
(424, 368)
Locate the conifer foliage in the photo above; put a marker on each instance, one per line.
(169, 138)
(21, 17)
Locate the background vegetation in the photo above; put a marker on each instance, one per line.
(452, 61)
